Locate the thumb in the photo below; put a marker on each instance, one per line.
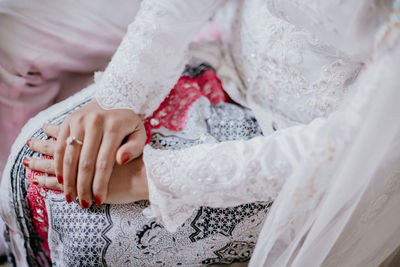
(133, 147)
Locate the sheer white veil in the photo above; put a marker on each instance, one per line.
(341, 207)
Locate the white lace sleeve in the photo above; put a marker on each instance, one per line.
(350, 28)
(151, 56)
(224, 174)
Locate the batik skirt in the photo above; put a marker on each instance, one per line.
(42, 229)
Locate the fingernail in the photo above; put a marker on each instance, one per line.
(28, 143)
(84, 204)
(68, 198)
(35, 181)
(25, 162)
(125, 157)
(97, 200)
(60, 179)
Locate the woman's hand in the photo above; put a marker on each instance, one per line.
(84, 167)
(128, 182)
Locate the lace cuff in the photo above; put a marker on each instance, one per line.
(151, 56)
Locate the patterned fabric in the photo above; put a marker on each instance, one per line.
(173, 111)
(230, 123)
(36, 197)
(210, 221)
(196, 81)
(82, 233)
(36, 254)
(121, 235)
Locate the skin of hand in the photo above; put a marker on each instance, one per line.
(128, 182)
(85, 170)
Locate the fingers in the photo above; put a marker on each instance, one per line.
(133, 147)
(87, 164)
(104, 165)
(87, 168)
(51, 130)
(42, 165)
(49, 182)
(70, 165)
(45, 147)
(60, 150)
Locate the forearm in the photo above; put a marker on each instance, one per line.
(225, 174)
(152, 54)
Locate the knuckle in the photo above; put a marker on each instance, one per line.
(78, 119)
(95, 119)
(60, 147)
(114, 126)
(66, 121)
(49, 166)
(140, 127)
(46, 146)
(59, 150)
(57, 168)
(102, 165)
(86, 165)
(68, 160)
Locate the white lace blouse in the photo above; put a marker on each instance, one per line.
(292, 62)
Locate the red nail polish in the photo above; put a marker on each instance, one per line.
(97, 200)
(60, 179)
(68, 198)
(84, 204)
(28, 143)
(125, 157)
(26, 162)
(35, 182)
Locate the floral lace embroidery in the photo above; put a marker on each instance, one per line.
(273, 58)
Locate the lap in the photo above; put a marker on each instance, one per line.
(26, 245)
(121, 234)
